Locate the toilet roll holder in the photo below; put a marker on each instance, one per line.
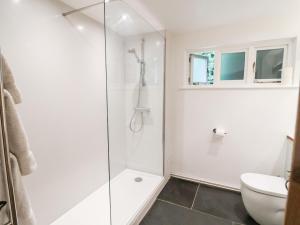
(215, 131)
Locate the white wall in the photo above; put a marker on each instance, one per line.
(170, 101)
(61, 73)
(116, 102)
(144, 12)
(144, 150)
(141, 151)
(257, 120)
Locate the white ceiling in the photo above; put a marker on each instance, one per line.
(119, 16)
(189, 15)
(182, 16)
(96, 12)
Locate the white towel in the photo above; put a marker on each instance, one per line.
(24, 209)
(22, 159)
(17, 138)
(4, 212)
(25, 213)
(9, 82)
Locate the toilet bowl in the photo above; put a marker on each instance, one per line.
(264, 198)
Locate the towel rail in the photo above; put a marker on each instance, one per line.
(6, 153)
(290, 138)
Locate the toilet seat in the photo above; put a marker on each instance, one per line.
(265, 184)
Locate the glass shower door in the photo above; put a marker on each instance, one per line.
(56, 52)
(135, 93)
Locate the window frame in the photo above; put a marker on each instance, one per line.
(284, 64)
(250, 49)
(191, 62)
(188, 75)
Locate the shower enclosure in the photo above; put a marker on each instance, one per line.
(135, 91)
(92, 78)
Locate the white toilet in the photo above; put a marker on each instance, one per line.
(264, 198)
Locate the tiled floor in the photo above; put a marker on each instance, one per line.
(187, 203)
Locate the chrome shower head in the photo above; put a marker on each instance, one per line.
(133, 51)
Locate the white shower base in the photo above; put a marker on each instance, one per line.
(128, 199)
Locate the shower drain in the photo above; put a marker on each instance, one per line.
(138, 179)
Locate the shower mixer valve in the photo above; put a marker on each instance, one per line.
(142, 109)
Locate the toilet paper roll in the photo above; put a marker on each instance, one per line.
(219, 132)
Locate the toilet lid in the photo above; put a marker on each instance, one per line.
(265, 184)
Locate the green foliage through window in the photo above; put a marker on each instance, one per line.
(211, 56)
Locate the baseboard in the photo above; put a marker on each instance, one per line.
(139, 217)
(206, 182)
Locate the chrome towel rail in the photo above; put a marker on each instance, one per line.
(5, 153)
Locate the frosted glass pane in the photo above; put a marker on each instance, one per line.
(269, 64)
(233, 66)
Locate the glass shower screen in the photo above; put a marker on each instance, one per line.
(91, 75)
(135, 92)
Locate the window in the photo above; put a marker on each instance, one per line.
(269, 65)
(257, 64)
(233, 66)
(202, 68)
(199, 65)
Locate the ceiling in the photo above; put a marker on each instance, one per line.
(180, 16)
(96, 12)
(119, 16)
(189, 15)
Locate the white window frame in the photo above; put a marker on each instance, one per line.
(250, 50)
(284, 64)
(191, 62)
(188, 70)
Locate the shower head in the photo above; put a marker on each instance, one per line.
(133, 51)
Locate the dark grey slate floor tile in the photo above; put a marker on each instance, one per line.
(179, 191)
(164, 213)
(222, 203)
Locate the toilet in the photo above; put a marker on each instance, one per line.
(264, 198)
